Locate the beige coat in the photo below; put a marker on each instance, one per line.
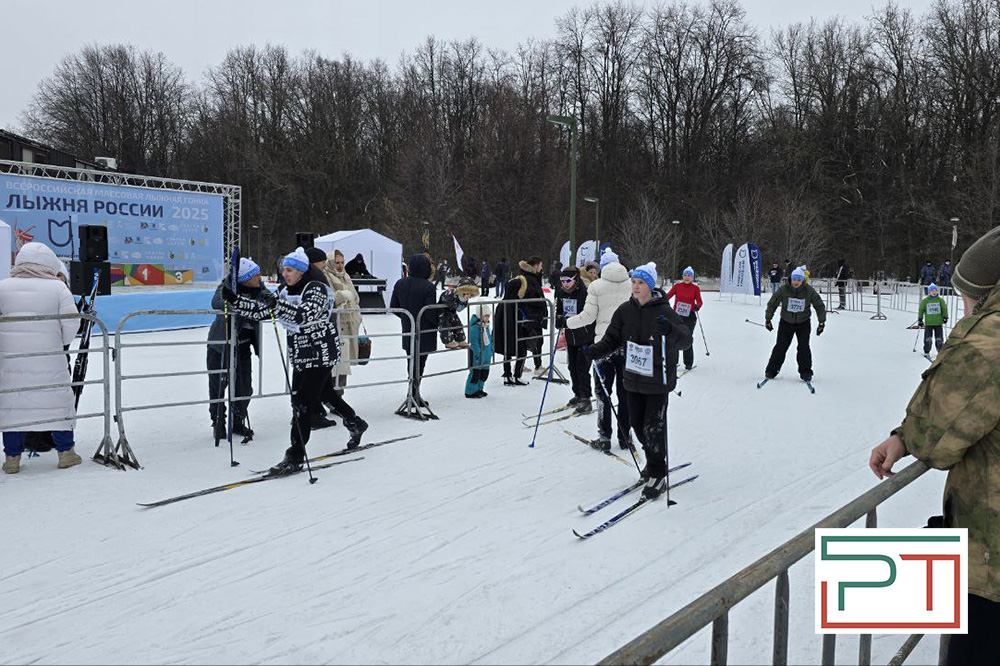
(345, 297)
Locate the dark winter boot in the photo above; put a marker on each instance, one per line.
(241, 428)
(583, 406)
(574, 401)
(602, 443)
(356, 427)
(286, 467)
(654, 487)
(220, 431)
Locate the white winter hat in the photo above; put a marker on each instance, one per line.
(481, 310)
(298, 260)
(608, 256)
(248, 268)
(40, 255)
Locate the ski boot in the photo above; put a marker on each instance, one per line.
(574, 401)
(319, 421)
(625, 444)
(356, 428)
(286, 467)
(654, 487)
(68, 459)
(583, 406)
(602, 443)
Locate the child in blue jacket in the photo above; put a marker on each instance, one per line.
(480, 350)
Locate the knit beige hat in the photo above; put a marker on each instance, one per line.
(979, 269)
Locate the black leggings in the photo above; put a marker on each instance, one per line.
(648, 416)
(982, 644)
(309, 386)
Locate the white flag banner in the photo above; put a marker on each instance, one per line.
(586, 252)
(564, 254)
(458, 255)
(742, 278)
(726, 272)
(954, 236)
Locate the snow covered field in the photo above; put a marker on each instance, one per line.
(454, 547)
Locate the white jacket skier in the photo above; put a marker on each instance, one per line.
(34, 289)
(604, 295)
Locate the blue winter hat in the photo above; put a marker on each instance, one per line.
(646, 273)
(931, 287)
(608, 257)
(798, 274)
(297, 260)
(248, 269)
(688, 271)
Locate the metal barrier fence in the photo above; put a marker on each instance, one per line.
(877, 295)
(120, 378)
(712, 608)
(104, 454)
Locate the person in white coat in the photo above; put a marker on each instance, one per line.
(33, 288)
(604, 295)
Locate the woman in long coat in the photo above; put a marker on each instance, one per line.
(33, 288)
(345, 297)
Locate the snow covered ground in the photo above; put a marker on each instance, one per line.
(454, 547)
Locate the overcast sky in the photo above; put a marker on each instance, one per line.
(195, 34)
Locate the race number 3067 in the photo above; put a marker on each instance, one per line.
(639, 359)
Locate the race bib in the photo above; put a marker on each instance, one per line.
(683, 309)
(933, 308)
(639, 359)
(796, 305)
(569, 308)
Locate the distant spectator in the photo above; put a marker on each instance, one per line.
(502, 274)
(356, 268)
(775, 275)
(928, 274)
(843, 274)
(33, 289)
(944, 275)
(484, 277)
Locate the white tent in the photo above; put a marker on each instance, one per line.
(382, 255)
(5, 258)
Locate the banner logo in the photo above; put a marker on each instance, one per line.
(891, 581)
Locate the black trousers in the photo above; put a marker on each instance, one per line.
(803, 355)
(309, 386)
(691, 321)
(982, 644)
(937, 333)
(578, 371)
(842, 292)
(648, 413)
(612, 369)
(531, 336)
(217, 382)
(518, 365)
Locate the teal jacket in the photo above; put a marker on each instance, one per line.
(480, 345)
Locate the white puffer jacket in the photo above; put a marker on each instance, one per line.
(27, 296)
(604, 295)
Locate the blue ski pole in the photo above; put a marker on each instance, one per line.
(552, 360)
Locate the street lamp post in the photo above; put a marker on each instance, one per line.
(566, 121)
(597, 224)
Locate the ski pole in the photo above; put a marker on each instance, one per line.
(754, 323)
(607, 396)
(545, 392)
(288, 387)
(703, 337)
(666, 399)
(230, 352)
(916, 340)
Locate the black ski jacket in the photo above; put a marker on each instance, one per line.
(639, 325)
(569, 305)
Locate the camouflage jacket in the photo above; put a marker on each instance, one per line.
(953, 423)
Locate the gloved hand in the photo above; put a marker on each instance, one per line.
(920, 324)
(768, 325)
(588, 353)
(270, 300)
(944, 320)
(821, 328)
(697, 307)
(560, 321)
(665, 325)
(229, 295)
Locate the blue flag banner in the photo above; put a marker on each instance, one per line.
(154, 236)
(756, 268)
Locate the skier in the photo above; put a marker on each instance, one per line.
(534, 315)
(303, 309)
(501, 273)
(687, 301)
(945, 274)
(455, 300)
(843, 274)
(775, 275)
(795, 299)
(927, 274)
(247, 339)
(645, 327)
(570, 300)
(33, 289)
(951, 424)
(318, 260)
(931, 317)
(480, 351)
(412, 293)
(604, 296)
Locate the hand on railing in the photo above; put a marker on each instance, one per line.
(885, 455)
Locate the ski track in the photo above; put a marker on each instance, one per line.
(454, 547)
